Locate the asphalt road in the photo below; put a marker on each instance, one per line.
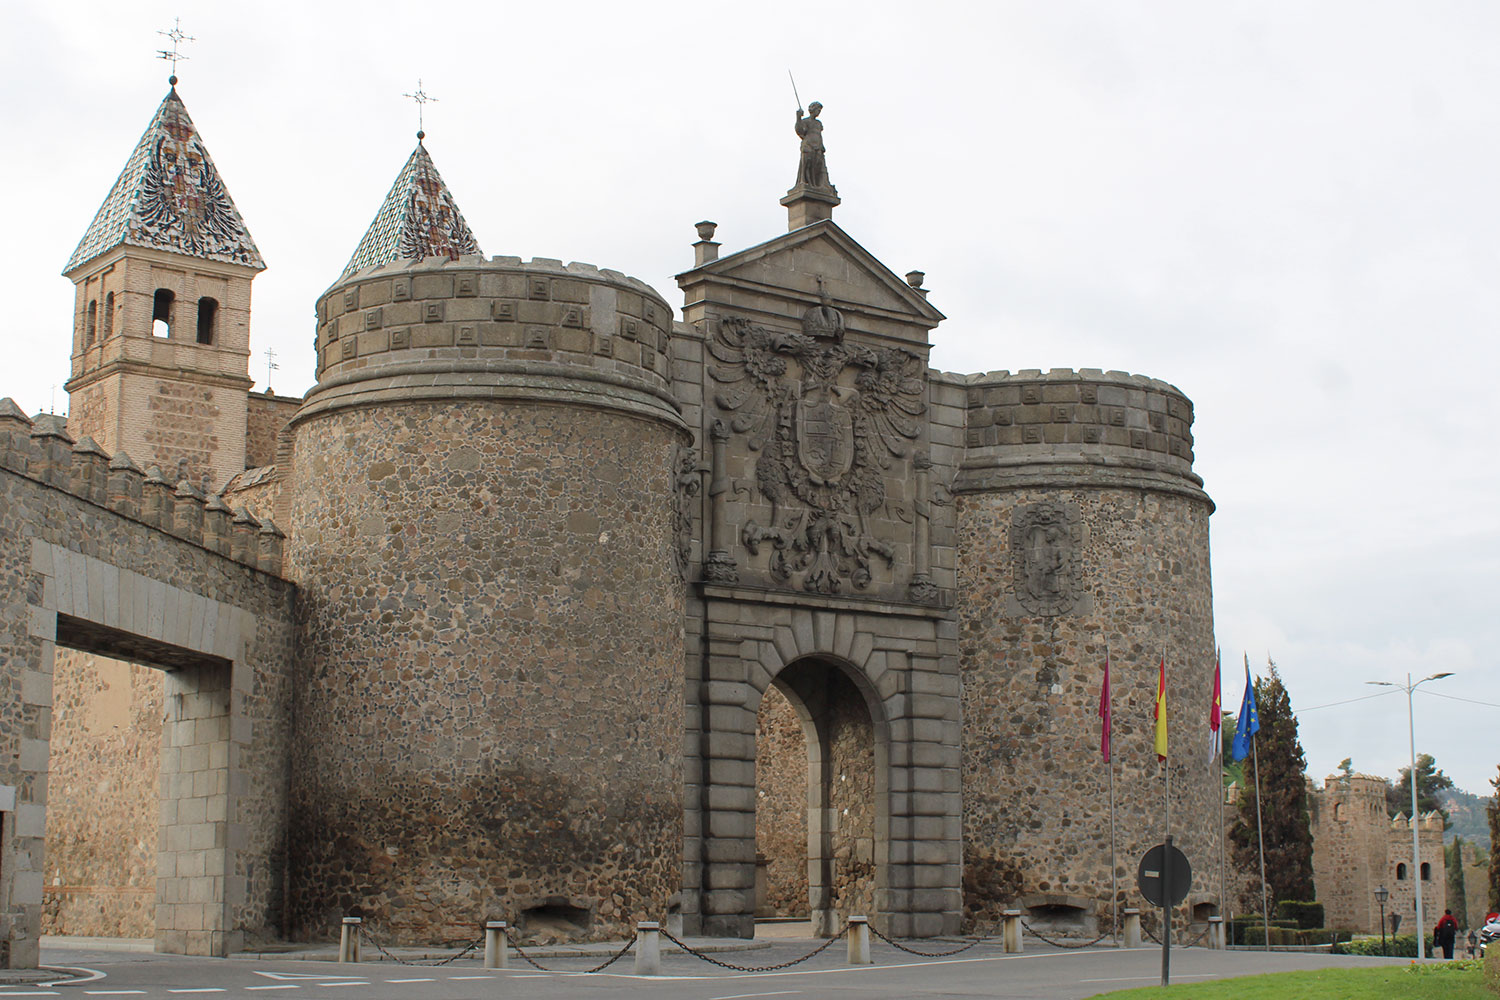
(984, 971)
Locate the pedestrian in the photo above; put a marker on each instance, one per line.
(1445, 932)
(1473, 944)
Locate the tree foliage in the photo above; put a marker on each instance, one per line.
(1283, 799)
(1430, 781)
(1458, 899)
(1494, 813)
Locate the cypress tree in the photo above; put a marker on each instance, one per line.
(1458, 899)
(1283, 800)
(1494, 816)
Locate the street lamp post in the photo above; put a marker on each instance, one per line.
(1416, 847)
(1381, 895)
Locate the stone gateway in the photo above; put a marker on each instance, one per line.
(545, 605)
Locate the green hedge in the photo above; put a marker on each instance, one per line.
(1307, 916)
(1398, 945)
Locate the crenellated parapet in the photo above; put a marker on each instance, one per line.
(1035, 428)
(40, 449)
(496, 328)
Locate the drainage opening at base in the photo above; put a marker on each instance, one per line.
(1058, 918)
(556, 916)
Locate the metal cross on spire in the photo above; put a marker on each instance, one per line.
(178, 36)
(421, 98)
(271, 366)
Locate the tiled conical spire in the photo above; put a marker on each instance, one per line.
(418, 218)
(170, 197)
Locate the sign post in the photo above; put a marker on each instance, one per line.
(1163, 877)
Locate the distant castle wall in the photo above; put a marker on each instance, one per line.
(1358, 847)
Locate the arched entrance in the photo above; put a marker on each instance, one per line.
(821, 805)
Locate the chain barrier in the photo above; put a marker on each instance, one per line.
(1147, 931)
(1201, 935)
(927, 954)
(369, 935)
(611, 960)
(1056, 943)
(752, 968)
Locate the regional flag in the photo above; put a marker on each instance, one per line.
(1215, 717)
(1104, 712)
(1161, 710)
(1249, 720)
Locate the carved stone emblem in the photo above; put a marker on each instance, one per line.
(827, 419)
(1046, 543)
(686, 484)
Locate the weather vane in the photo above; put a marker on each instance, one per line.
(421, 98)
(178, 36)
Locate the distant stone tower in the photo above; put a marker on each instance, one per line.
(1081, 527)
(490, 716)
(161, 325)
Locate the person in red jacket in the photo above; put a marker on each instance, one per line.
(1445, 932)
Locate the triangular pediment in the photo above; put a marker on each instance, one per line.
(170, 197)
(418, 219)
(793, 263)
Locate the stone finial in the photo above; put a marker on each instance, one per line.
(705, 250)
(156, 499)
(244, 540)
(123, 492)
(915, 279)
(217, 518)
(53, 454)
(268, 557)
(90, 474)
(15, 436)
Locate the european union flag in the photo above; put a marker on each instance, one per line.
(1248, 723)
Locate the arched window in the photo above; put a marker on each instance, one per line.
(109, 315)
(161, 313)
(1338, 811)
(1400, 873)
(1426, 872)
(89, 323)
(208, 315)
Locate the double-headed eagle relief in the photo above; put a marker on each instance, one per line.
(827, 418)
(183, 203)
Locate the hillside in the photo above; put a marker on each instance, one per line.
(1467, 813)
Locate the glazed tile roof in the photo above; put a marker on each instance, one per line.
(418, 218)
(170, 197)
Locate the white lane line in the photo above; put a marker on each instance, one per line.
(411, 980)
(457, 978)
(1149, 979)
(742, 996)
(112, 993)
(288, 986)
(341, 984)
(33, 993)
(200, 989)
(92, 975)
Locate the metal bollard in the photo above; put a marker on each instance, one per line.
(1011, 931)
(1132, 928)
(859, 941)
(496, 948)
(648, 948)
(349, 939)
(1216, 933)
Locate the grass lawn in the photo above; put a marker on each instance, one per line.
(1388, 982)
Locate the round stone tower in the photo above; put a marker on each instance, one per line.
(1081, 528)
(490, 712)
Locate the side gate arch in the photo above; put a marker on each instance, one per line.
(903, 659)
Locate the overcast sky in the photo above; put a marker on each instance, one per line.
(1286, 209)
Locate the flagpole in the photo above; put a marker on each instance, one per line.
(1166, 790)
(1260, 835)
(1218, 765)
(1114, 878)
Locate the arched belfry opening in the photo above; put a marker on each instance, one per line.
(821, 820)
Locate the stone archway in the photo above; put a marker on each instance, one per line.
(842, 845)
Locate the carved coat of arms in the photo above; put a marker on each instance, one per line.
(827, 418)
(1046, 542)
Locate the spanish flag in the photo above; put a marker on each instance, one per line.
(1161, 710)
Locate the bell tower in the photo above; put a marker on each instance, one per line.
(161, 321)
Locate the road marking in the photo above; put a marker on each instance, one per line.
(112, 993)
(200, 989)
(33, 993)
(742, 996)
(411, 980)
(343, 984)
(457, 978)
(284, 976)
(1149, 979)
(93, 975)
(289, 986)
